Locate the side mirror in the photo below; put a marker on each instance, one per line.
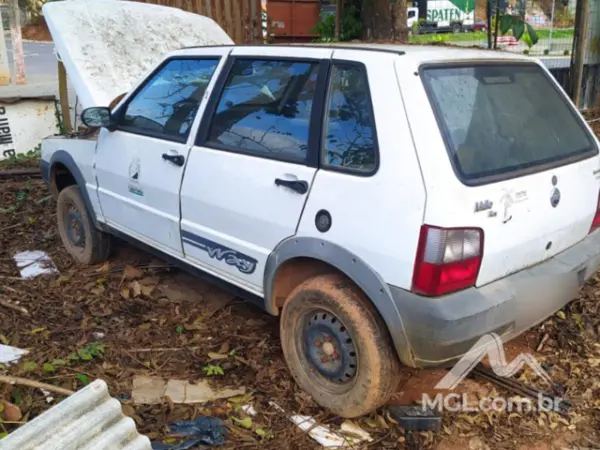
(97, 116)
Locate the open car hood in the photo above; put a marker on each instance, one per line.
(106, 46)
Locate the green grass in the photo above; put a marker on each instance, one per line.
(479, 36)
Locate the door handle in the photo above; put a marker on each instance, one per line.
(300, 186)
(178, 160)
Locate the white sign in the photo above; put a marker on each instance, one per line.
(24, 124)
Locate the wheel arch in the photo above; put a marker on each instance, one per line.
(63, 172)
(298, 258)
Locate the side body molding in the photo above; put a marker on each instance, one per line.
(354, 268)
(64, 158)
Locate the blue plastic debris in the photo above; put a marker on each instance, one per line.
(208, 431)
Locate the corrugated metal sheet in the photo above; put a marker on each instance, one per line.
(89, 419)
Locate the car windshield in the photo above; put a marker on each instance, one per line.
(499, 119)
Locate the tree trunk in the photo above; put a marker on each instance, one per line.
(400, 22)
(377, 20)
(497, 24)
(338, 18)
(385, 20)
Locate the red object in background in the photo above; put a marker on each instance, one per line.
(292, 20)
(479, 25)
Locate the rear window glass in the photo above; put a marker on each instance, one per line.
(500, 119)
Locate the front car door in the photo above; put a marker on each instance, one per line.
(254, 160)
(139, 166)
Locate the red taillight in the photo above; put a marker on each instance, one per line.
(596, 221)
(448, 259)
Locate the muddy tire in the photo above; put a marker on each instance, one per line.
(85, 243)
(337, 347)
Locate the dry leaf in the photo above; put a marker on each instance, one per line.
(125, 293)
(217, 356)
(104, 267)
(137, 288)
(131, 273)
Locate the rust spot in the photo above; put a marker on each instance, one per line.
(116, 101)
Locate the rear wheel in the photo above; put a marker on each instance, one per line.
(337, 347)
(456, 28)
(85, 243)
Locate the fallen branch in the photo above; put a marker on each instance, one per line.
(162, 349)
(35, 384)
(15, 173)
(14, 307)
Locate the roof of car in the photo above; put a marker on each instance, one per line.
(418, 53)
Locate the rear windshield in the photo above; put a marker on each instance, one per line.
(500, 119)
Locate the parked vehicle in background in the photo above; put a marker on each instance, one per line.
(434, 16)
(479, 25)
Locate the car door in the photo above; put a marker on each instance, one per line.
(254, 160)
(139, 165)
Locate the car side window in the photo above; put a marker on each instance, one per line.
(166, 106)
(350, 142)
(265, 109)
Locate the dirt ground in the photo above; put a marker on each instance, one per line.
(37, 32)
(135, 315)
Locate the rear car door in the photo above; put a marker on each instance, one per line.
(254, 160)
(520, 163)
(139, 166)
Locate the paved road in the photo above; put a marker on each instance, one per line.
(40, 60)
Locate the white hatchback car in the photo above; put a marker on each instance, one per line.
(392, 203)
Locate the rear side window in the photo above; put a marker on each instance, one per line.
(350, 141)
(265, 109)
(500, 119)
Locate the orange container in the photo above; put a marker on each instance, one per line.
(292, 20)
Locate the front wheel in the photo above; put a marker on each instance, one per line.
(456, 28)
(85, 243)
(337, 347)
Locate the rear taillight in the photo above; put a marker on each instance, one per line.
(448, 259)
(596, 221)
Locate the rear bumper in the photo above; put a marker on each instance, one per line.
(441, 330)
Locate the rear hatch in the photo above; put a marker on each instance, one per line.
(524, 166)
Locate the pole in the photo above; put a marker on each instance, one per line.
(4, 67)
(578, 54)
(17, 42)
(551, 26)
(488, 14)
(63, 95)
(338, 18)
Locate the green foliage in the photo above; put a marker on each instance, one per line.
(83, 379)
(211, 370)
(94, 350)
(350, 25)
(566, 53)
(519, 28)
(32, 155)
(547, 51)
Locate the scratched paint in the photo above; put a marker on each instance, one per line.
(24, 124)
